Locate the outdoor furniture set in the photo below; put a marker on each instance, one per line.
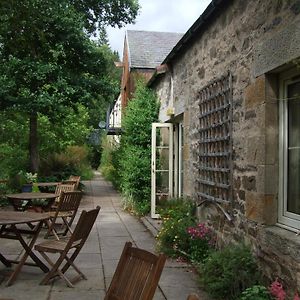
(24, 222)
(137, 273)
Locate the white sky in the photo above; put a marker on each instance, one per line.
(160, 15)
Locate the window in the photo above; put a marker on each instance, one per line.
(289, 187)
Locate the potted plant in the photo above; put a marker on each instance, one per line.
(27, 180)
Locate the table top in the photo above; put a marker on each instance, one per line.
(32, 195)
(16, 217)
(47, 184)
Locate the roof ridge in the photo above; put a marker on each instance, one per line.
(154, 31)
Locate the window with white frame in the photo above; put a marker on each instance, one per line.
(289, 167)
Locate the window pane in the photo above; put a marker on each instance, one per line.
(293, 94)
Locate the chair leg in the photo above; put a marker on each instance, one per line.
(55, 270)
(68, 228)
(51, 230)
(69, 224)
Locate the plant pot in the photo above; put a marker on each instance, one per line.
(27, 188)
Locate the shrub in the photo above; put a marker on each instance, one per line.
(71, 162)
(177, 216)
(228, 272)
(109, 161)
(12, 160)
(134, 157)
(201, 241)
(136, 173)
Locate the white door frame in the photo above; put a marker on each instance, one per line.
(154, 170)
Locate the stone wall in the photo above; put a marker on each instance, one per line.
(247, 38)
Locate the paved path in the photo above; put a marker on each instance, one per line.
(99, 256)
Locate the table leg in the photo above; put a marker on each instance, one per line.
(28, 252)
(4, 261)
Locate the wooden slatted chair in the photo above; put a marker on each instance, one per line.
(75, 179)
(62, 187)
(66, 210)
(68, 249)
(137, 275)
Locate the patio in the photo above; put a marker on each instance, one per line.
(99, 256)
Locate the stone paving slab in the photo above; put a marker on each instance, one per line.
(100, 255)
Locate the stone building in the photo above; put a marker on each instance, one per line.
(232, 86)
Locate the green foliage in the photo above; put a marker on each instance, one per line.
(4, 189)
(256, 292)
(71, 129)
(12, 159)
(72, 161)
(201, 243)
(13, 144)
(136, 173)
(139, 115)
(177, 216)
(48, 63)
(134, 156)
(109, 160)
(228, 272)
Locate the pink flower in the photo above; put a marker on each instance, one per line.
(276, 290)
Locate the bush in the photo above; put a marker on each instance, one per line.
(109, 161)
(201, 242)
(134, 156)
(74, 161)
(12, 160)
(228, 272)
(177, 216)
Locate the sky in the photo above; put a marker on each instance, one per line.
(160, 15)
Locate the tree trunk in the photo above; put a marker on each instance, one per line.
(33, 143)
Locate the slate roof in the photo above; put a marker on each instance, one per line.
(147, 49)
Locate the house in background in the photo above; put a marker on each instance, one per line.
(229, 93)
(143, 52)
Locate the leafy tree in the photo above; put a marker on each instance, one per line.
(47, 60)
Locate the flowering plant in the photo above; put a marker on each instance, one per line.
(201, 241)
(28, 176)
(277, 291)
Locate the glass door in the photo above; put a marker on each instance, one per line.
(161, 165)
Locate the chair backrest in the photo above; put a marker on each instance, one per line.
(137, 274)
(75, 179)
(63, 187)
(69, 201)
(84, 227)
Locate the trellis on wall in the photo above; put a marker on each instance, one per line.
(214, 149)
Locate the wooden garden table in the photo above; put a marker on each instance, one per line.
(17, 200)
(10, 228)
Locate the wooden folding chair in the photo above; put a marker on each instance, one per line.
(63, 187)
(74, 179)
(63, 247)
(137, 275)
(66, 210)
